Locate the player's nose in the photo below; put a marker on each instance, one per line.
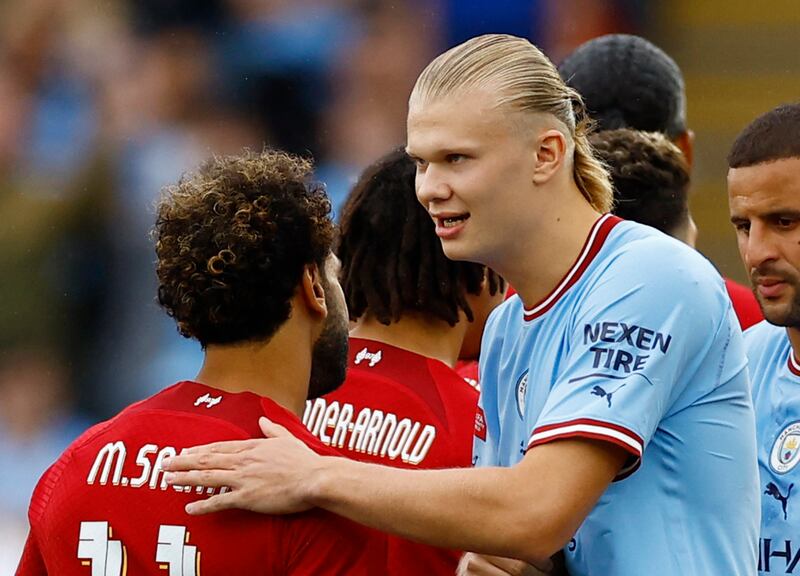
(760, 246)
(431, 186)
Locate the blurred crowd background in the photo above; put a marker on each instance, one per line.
(104, 102)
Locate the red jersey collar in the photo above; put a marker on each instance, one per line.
(591, 247)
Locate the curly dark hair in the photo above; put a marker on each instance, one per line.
(650, 177)
(771, 136)
(392, 261)
(628, 82)
(232, 241)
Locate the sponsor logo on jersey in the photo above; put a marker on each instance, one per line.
(778, 556)
(775, 492)
(522, 389)
(208, 400)
(623, 348)
(480, 425)
(369, 431)
(372, 357)
(602, 393)
(786, 449)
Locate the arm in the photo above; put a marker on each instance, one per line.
(528, 511)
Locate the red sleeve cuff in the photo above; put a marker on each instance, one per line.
(597, 430)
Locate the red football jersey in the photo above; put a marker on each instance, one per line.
(468, 370)
(404, 410)
(103, 508)
(744, 304)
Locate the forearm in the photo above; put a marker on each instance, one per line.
(480, 510)
(527, 511)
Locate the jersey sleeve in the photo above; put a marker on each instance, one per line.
(32, 560)
(31, 563)
(633, 344)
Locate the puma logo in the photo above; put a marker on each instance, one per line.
(773, 491)
(600, 391)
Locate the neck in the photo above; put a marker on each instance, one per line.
(541, 257)
(278, 369)
(414, 332)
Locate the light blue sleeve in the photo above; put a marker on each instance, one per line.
(638, 337)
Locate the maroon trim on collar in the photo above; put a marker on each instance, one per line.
(594, 242)
(794, 365)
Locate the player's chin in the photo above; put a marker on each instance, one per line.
(462, 248)
(780, 313)
(458, 250)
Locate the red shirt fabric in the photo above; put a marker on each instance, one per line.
(103, 508)
(744, 304)
(470, 372)
(405, 410)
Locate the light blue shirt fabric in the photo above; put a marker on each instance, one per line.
(775, 374)
(638, 346)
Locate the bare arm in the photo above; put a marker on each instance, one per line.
(527, 511)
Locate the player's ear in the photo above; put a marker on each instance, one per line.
(551, 148)
(685, 141)
(312, 290)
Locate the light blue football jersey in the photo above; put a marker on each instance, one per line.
(638, 346)
(775, 374)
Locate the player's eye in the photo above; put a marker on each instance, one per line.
(784, 222)
(455, 158)
(742, 226)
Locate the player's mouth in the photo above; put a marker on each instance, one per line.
(770, 288)
(450, 225)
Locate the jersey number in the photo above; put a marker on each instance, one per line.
(108, 557)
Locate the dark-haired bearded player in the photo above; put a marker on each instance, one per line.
(245, 267)
(402, 403)
(764, 197)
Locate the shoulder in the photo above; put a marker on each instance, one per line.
(455, 387)
(50, 479)
(502, 316)
(643, 252)
(763, 331)
(641, 265)
(280, 415)
(764, 339)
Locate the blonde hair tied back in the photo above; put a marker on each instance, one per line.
(524, 79)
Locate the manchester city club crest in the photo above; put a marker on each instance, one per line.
(786, 450)
(522, 389)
